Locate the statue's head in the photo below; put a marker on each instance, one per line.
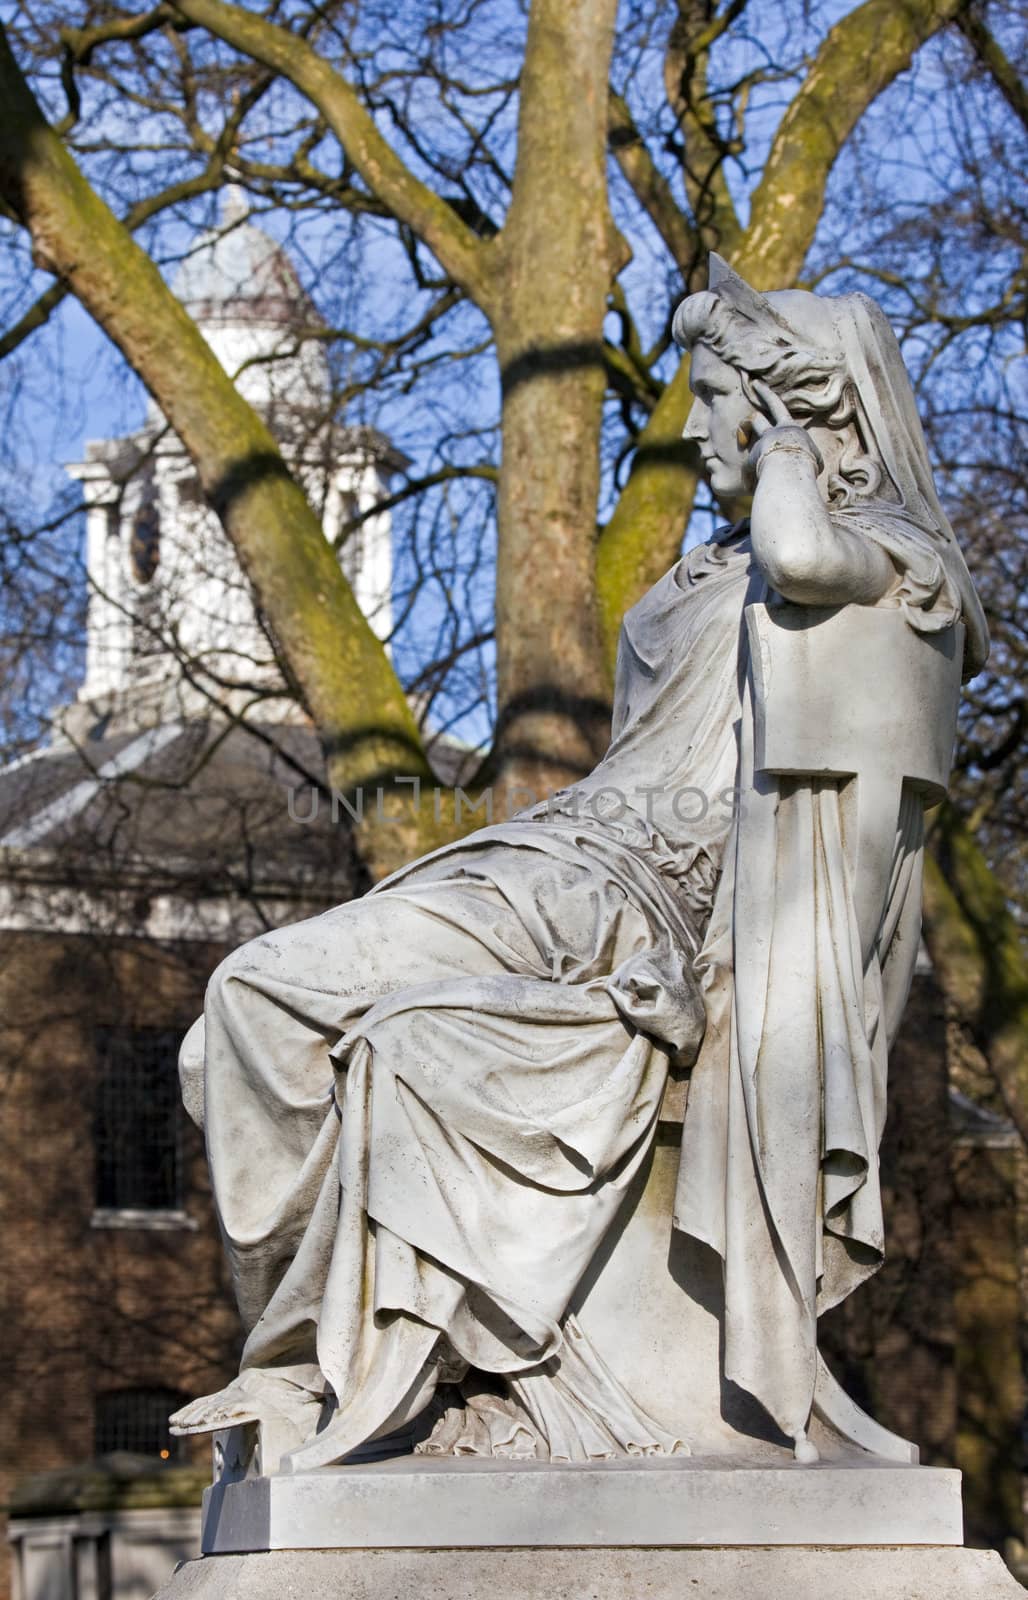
(786, 340)
(836, 363)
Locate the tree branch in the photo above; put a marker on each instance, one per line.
(858, 58)
(693, 32)
(79, 43)
(410, 490)
(650, 187)
(459, 251)
(35, 317)
(341, 668)
(996, 62)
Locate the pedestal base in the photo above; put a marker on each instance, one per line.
(423, 1502)
(610, 1574)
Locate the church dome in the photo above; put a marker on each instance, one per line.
(237, 273)
(242, 291)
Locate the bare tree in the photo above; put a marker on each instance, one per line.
(530, 189)
(496, 205)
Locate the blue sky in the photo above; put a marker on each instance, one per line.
(68, 384)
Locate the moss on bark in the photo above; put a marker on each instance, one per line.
(644, 534)
(978, 952)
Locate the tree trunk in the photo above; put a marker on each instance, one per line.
(558, 254)
(644, 535)
(978, 952)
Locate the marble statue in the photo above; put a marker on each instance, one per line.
(431, 1113)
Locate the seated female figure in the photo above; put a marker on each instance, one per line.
(423, 1109)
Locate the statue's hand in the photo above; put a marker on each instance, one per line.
(778, 430)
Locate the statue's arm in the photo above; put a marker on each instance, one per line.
(805, 555)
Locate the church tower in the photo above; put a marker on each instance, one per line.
(172, 625)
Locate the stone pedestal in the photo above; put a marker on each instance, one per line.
(419, 1502)
(614, 1573)
(444, 1529)
(739, 1519)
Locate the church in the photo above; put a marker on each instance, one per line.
(153, 832)
(159, 827)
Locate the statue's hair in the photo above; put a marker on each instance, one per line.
(747, 332)
(759, 344)
(835, 362)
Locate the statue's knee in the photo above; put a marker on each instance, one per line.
(220, 978)
(191, 1071)
(241, 966)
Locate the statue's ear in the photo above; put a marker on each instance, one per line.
(751, 394)
(735, 291)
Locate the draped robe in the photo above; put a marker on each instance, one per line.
(423, 1109)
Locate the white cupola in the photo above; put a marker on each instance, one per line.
(242, 291)
(171, 622)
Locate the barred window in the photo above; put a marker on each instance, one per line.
(137, 1420)
(136, 1126)
(189, 491)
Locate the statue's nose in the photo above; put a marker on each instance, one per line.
(694, 428)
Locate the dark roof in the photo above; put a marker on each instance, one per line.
(195, 807)
(184, 805)
(298, 429)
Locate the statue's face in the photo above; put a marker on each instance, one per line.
(719, 411)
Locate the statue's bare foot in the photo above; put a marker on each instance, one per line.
(257, 1395)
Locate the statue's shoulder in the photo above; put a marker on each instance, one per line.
(730, 533)
(726, 548)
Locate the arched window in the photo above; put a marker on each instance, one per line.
(351, 554)
(145, 542)
(136, 1420)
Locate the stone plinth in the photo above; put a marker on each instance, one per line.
(611, 1574)
(420, 1502)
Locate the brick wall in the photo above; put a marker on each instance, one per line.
(86, 1309)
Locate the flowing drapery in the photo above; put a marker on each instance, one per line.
(423, 1109)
